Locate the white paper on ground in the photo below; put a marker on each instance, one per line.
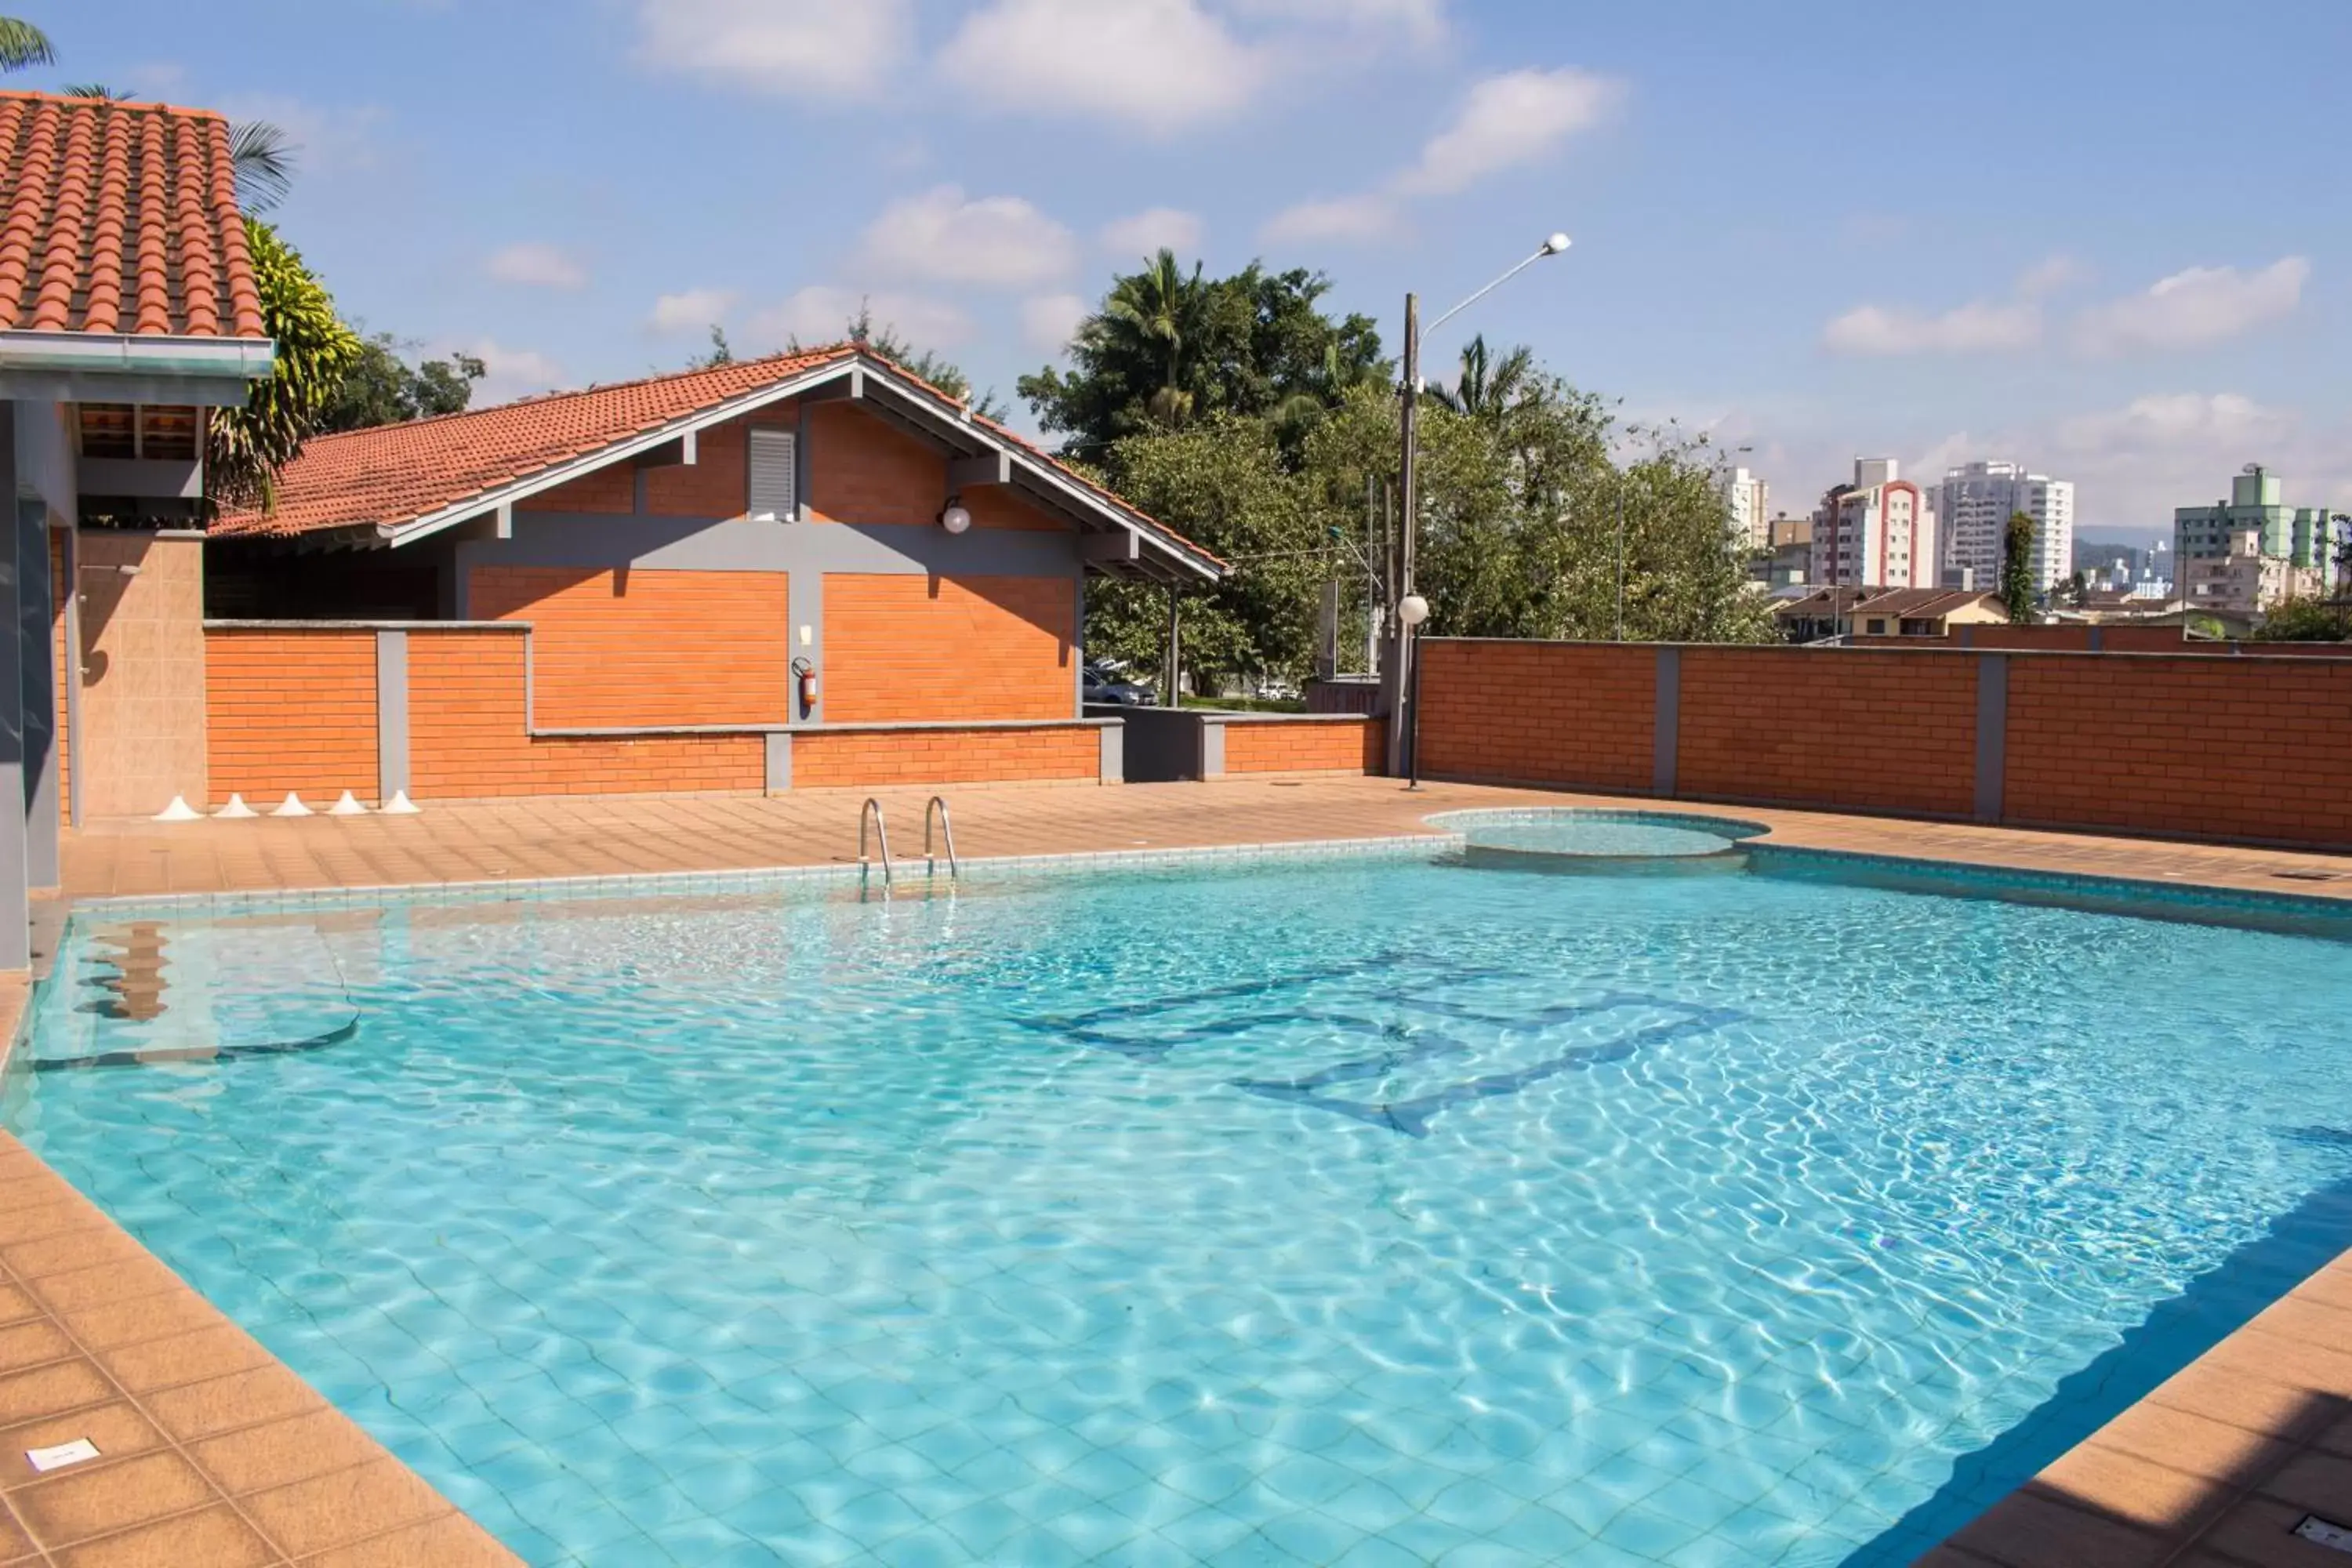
(59, 1456)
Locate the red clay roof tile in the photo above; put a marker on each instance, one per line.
(121, 217)
(395, 474)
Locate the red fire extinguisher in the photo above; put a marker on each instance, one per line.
(807, 673)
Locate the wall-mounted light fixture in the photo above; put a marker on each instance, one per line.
(957, 516)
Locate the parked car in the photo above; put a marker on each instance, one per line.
(1107, 685)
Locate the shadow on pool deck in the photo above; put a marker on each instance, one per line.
(2000, 1506)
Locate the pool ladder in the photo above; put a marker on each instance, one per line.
(870, 815)
(872, 830)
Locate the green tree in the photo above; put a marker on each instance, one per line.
(883, 338)
(2301, 620)
(1484, 391)
(23, 45)
(245, 448)
(2017, 566)
(1225, 477)
(382, 388)
(1167, 347)
(721, 352)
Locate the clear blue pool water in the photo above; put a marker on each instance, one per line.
(1364, 1213)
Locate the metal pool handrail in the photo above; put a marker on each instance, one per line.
(939, 803)
(872, 812)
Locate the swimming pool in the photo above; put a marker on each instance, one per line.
(1345, 1211)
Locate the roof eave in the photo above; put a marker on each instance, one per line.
(1177, 558)
(132, 368)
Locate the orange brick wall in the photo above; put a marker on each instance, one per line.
(945, 756)
(467, 737)
(902, 648)
(2212, 747)
(994, 506)
(1325, 746)
(613, 488)
(1567, 713)
(713, 485)
(863, 471)
(1834, 727)
(628, 648)
(290, 711)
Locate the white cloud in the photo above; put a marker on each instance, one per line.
(157, 78)
(507, 373)
(1156, 64)
(1518, 118)
(792, 48)
(1149, 232)
(1419, 21)
(821, 313)
(1341, 219)
(1049, 322)
(2049, 275)
(1873, 330)
(690, 310)
(2201, 305)
(1001, 241)
(537, 265)
(2149, 425)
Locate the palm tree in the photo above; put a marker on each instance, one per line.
(1488, 392)
(22, 43)
(1167, 314)
(102, 93)
(263, 155)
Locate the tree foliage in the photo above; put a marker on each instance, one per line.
(2017, 566)
(1522, 492)
(23, 45)
(2303, 620)
(1167, 348)
(245, 448)
(382, 388)
(883, 338)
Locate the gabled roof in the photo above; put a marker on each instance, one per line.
(396, 483)
(120, 219)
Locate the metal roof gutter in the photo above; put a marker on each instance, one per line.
(137, 353)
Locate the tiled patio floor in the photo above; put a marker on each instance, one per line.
(216, 1453)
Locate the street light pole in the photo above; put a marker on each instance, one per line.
(1411, 610)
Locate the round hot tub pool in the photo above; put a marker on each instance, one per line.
(1581, 837)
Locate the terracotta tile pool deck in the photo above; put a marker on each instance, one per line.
(212, 1453)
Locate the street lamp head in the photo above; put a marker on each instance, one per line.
(1555, 245)
(1412, 609)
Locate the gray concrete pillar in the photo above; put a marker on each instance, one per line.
(391, 714)
(1666, 723)
(15, 907)
(1992, 734)
(37, 649)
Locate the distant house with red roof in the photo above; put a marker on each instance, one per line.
(127, 307)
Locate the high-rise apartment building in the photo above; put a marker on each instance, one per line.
(1973, 507)
(1876, 533)
(1747, 496)
(2297, 535)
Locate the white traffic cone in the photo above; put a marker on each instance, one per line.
(237, 807)
(347, 806)
(293, 807)
(179, 811)
(399, 804)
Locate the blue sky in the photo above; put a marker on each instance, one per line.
(2110, 240)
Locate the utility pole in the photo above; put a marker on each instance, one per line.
(1400, 715)
(1620, 555)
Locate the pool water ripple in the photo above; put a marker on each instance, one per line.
(1068, 1220)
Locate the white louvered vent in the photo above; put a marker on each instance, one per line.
(774, 487)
